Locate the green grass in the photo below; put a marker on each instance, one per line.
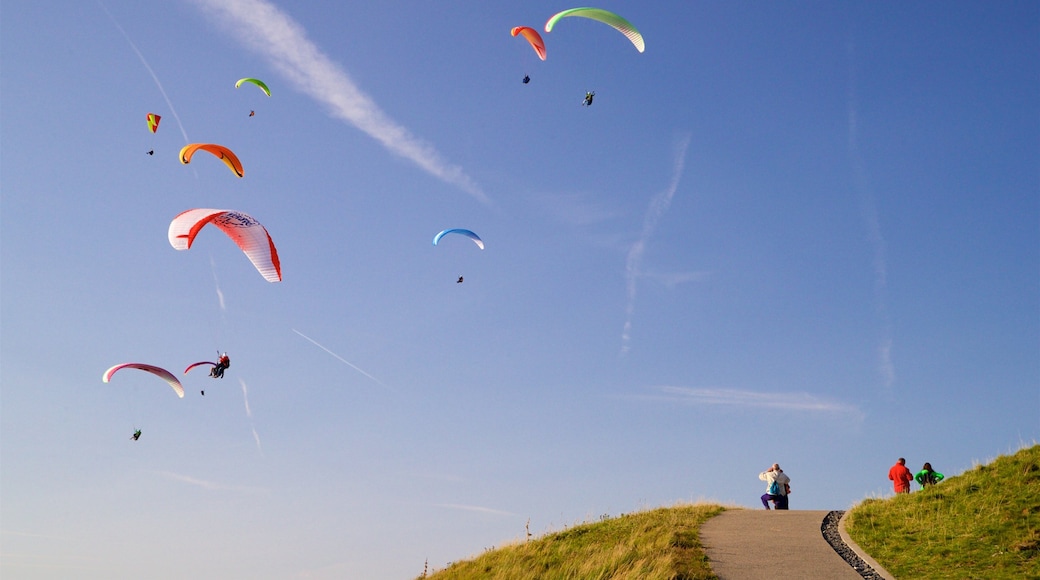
(663, 544)
(984, 523)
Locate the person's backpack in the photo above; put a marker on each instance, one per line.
(774, 488)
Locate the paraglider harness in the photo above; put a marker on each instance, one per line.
(217, 371)
(588, 99)
(136, 435)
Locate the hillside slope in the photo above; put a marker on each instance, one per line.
(658, 544)
(984, 523)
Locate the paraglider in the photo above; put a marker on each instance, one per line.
(136, 435)
(526, 80)
(476, 239)
(459, 281)
(153, 122)
(532, 37)
(221, 152)
(159, 372)
(246, 232)
(217, 372)
(587, 102)
(151, 151)
(257, 82)
(609, 18)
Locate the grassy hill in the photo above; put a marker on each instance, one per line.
(658, 544)
(984, 523)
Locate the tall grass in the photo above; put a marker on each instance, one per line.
(662, 544)
(984, 523)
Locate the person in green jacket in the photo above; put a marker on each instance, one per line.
(928, 476)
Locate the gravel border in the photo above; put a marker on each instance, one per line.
(829, 528)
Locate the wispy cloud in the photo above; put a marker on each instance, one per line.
(871, 219)
(577, 209)
(148, 67)
(672, 279)
(216, 282)
(249, 415)
(633, 265)
(754, 399)
(341, 359)
(210, 485)
(474, 508)
(268, 31)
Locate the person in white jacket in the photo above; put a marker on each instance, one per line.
(778, 493)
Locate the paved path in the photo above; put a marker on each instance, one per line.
(745, 544)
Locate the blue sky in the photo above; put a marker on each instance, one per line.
(805, 233)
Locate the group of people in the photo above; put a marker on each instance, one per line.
(901, 476)
(778, 485)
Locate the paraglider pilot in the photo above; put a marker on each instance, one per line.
(459, 281)
(588, 99)
(136, 435)
(217, 371)
(527, 79)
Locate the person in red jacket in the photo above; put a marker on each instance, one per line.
(900, 476)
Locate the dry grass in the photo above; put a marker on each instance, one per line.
(662, 544)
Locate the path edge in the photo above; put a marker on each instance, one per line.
(859, 551)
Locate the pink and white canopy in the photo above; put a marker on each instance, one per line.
(157, 371)
(245, 231)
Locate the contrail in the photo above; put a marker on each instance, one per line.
(633, 266)
(216, 282)
(265, 29)
(868, 207)
(150, 71)
(341, 359)
(249, 415)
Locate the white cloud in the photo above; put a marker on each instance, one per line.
(803, 402)
(265, 29)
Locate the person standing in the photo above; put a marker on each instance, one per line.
(777, 487)
(928, 476)
(900, 476)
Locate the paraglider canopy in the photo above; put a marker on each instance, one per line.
(159, 372)
(245, 231)
(476, 239)
(198, 364)
(257, 82)
(606, 17)
(221, 152)
(532, 37)
(153, 122)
